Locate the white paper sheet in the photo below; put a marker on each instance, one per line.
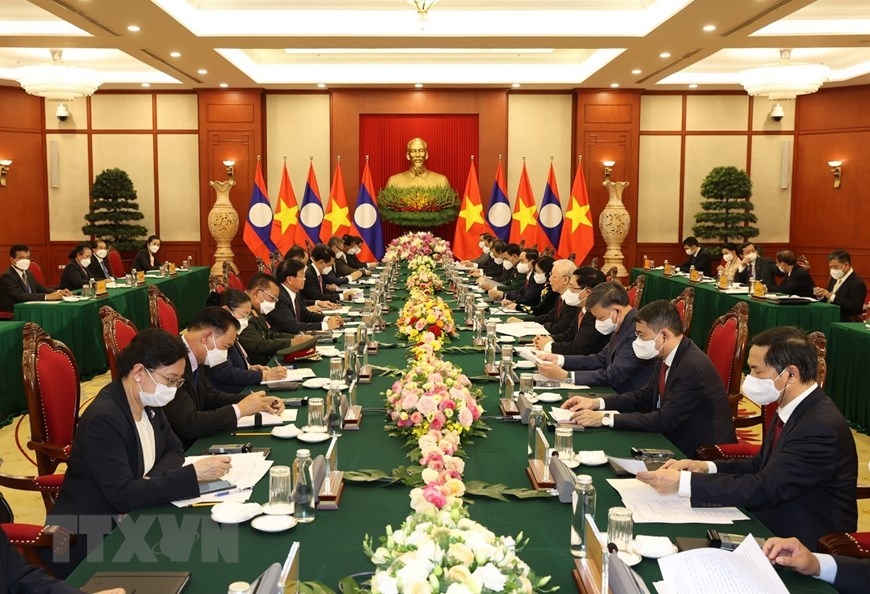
(328, 351)
(268, 420)
(650, 506)
(520, 329)
(628, 464)
(540, 379)
(246, 470)
(293, 375)
(561, 415)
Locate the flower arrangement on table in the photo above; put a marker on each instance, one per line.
(424, 313)
(425, 280)
(418, 262)
(421, 243)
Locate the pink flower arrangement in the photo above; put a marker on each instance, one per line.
(424, 314)
(423, 243)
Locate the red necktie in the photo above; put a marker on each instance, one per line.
(559, 307)
(776, 431)
(298, 309)
(663, 371)
(320, 280)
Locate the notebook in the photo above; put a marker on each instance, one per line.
(139, 582)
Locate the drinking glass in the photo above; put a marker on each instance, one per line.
(279, 490)
(565, 443)
(620, 528)
(86, 291)
(315, 414)
(527, 384)
(336, 369)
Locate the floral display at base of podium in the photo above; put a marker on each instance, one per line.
(422, 243)
(418, 206)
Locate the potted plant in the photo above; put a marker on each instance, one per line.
(113, 210)
(726, 212)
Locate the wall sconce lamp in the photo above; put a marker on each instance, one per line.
(4, 169)
(837, 170)
(229, 165)
(608, 169)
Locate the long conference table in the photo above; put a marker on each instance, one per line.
(77, 324)
(848, 381)
(710, 303)
(165, 538)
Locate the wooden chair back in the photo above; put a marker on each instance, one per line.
(118, 331)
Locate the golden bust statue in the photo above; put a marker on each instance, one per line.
(417, 175)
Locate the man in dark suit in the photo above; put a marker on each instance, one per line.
(584, 338)
(316, 285)
(353, 245)
(260, 342)
(343, 272)
(198, 409)
(616, 365)
(755, 266)
(797, 281)
(684, 398)
(290, 314)
(845, 288)
(99, 267)
(697, 257)
(802, 482)
(524, 288)
(18, 285)
(560, 320)
(493, 267)
(508, 278)
(849, 575)
(485, 245)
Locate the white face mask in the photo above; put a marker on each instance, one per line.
(689, 251)
(340, 254)
(485, 250)
(498, 261)
(101, 254)
(507, 264)
(243, 323)
(645, 349)
(215, 356)
(540, 277)
(154, 248)
(781, 268)
(837, 273)
(571, 298)
(751, 257)
(267, 307)
(23, 264)
(728, 257)
(85, 262)
(481, 245)
(761, 391)
(355, 251)
(523, 267)
(327, 270)
(605, 326)
(161, 396)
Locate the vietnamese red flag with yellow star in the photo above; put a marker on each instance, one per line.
(471, 223)
(336, 223)
(524, 226)
(286, 216)
(577, 233)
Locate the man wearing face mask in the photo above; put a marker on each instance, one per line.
(684, 398)
(802, 482)
(18, 285)
(797, 281)
(697, 257)
(495, 265)
(616, 365)
(845, 288)
(485, 244)
(524, 288)
(290, 314)
(316, 278)
(76, 274)
(586, 339)
(561, 319)
(99, 264)
(198, 409)
(343, 272)
(507, 277)
(754, 266)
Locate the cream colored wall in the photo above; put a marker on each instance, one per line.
(539, 127)
(68, 202)
(717, 112)
(298, 127)
(122, 112)
(703, 153)
(177, 112)
(772, 202)
(662, 113)
(178, 184)
(658, 194)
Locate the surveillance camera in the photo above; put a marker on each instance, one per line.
(62, 112)
(777, 113)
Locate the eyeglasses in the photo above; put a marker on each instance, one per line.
(246, 316)
(272, 298)
(172, 383)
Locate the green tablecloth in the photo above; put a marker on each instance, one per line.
(710, 304)
(12, 399)
(332, 545)
(77, 324)
(848, 382)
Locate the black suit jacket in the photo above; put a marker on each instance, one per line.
(354, 262)
(142, 261)
(615, 365)
(312, 290)
(560, 321)
(853, 575)
(234, 375)
(96, 268)
(547, 301)
(342, 266)
(260, 342)
(587, 340)
(694, 407)
(284, 319)
(798, 282)
(12, 290)
(17, 575)
(529, 293)
(701, 262)
(804, 486)
(765, 271)
(74, 277)
(851, 296)
(198, 409)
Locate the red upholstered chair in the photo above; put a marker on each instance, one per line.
(48, 486)
(611, 273)
(163, 313)
(29, 538)
(118, 331)
(635, 290)
(51, 382)
(116, 266)
(36, 270)
(685, 304)
(850, 544)
(232, 277)
(217, 284)
(234, 282)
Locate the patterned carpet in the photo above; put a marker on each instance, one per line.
(28, 507)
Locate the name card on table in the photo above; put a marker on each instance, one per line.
(332, 486)
(172, 270)
(100, 288)
(140, 277)
(539, 468)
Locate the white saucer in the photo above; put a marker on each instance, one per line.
(279, 509)
(572, 463)
(650, 555)
(315, 382)
(629, 558)
(506, 339)
(341, 386)
(548, 396)
(309, 429)
(592, 457)
(354, 314)
(313, 437)
(524, 364)
(234, 512)
(72, 298)
(274, 523)
(286, 431)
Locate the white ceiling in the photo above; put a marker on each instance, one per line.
(540, 44)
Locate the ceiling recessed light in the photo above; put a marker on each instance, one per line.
(693, 86)
(133, 28)
(224, 85)
(146, 85)
(636, 71)
(709, 27)
(418, 86)
(175, 54)
(614, 85)
(202, 71)
(321, 85)
(665, 55)
(516, 85)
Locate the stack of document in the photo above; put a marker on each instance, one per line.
(293, 375)
(246, 470)
(649, 506)
(520, 329)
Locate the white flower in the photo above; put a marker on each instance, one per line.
(490, 577)
(461, 553)
(383, 583)
(415, 571)
(381, 556)
(429, 475)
